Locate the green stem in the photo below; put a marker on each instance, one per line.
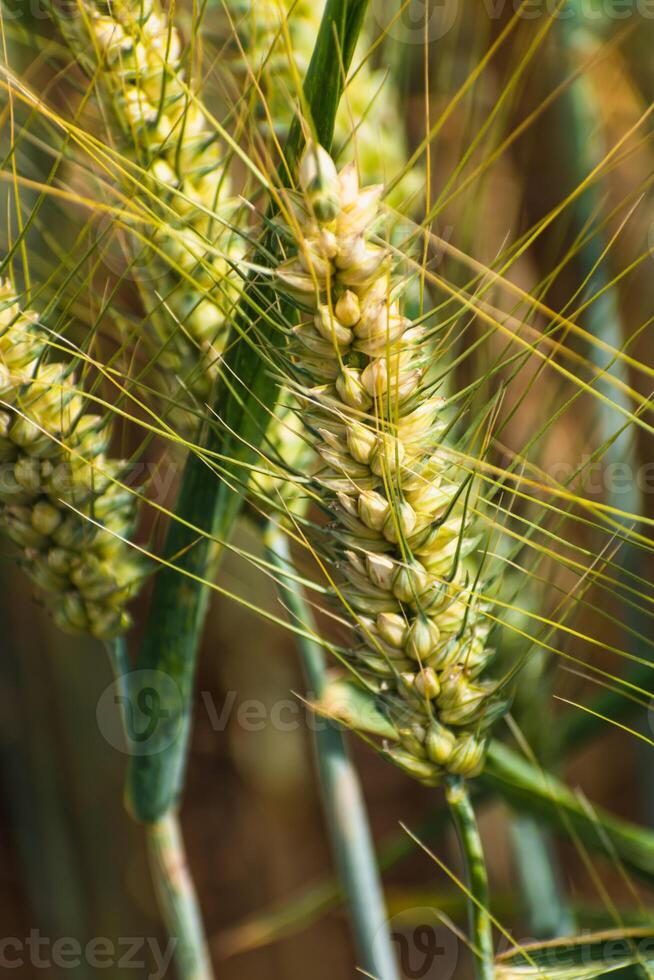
(121, 667)
(342, 798)
(171, 878)
(247, 391)
(536, 791)
(546, 910)
(177, 899)
(481, 934)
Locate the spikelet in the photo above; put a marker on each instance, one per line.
(52, 459)
(262, 27)
(136, 53)
(400, 530)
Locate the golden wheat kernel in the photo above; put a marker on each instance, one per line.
(348, 504)
(348, 183)
(18, 525)
(373, 509)
(439, 743)
(59, 560)
(412, 739)
(427, 683)
(314, 262)
(418, 768)
(27, 471)
(351, 389)
(400, 523)
(106, 623)
(347, 308)
(422, 638)
(446, 655)
(11, 492)
(410, 582)
(317, 169)
(360, 442)
(73, 611)
(467, 756)
(329, 327)
(43, 576)
(363, 211)
(464, 712)
(373, 321)
(375, 378)
(367, 267)
(381, 570)
(392, 628)
(352, 252)
(45, 517)
(387, 456)
(419, 424)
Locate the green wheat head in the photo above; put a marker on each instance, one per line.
(63, 504)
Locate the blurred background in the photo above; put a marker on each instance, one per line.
(559, 95)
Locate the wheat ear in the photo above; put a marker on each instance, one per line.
(401, 532)
(136, 56)
(60, 499)
(401, 528)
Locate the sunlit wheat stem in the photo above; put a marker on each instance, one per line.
(171, 878)
(177, 899)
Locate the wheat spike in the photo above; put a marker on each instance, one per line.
(401, 531)
(60, 503)
(136, 55)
